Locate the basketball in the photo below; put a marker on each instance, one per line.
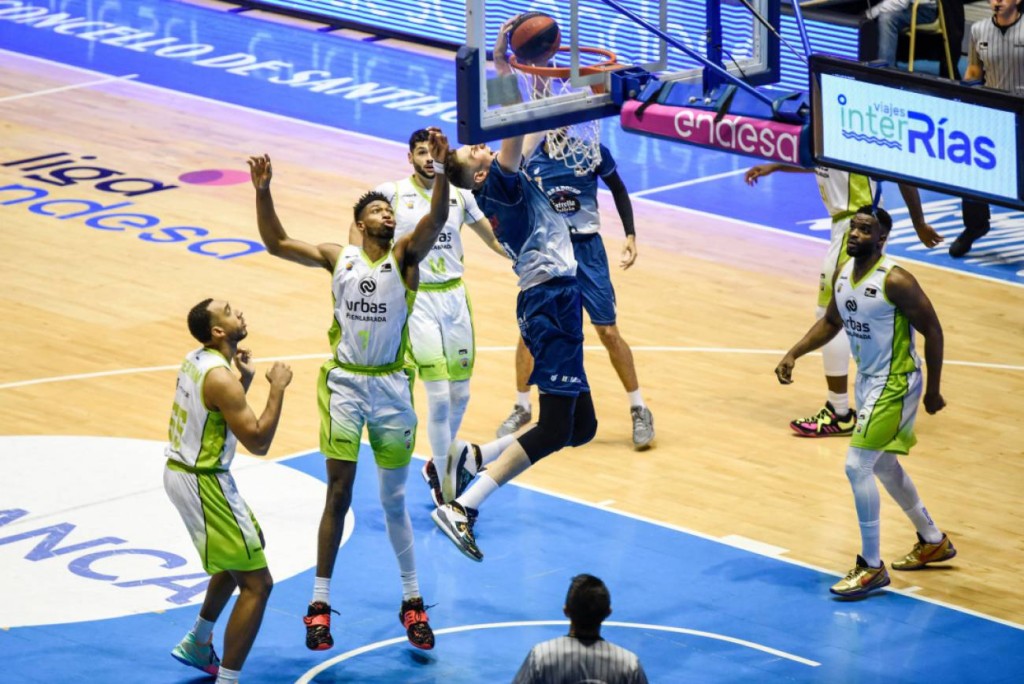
(535, 37)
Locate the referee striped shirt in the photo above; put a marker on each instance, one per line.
(568, 660)
(999, 51)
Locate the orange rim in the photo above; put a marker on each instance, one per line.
(610, 62)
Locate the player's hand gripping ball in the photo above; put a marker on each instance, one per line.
(534, 37)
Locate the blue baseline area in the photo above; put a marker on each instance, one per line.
(676, 597)
(372, 88)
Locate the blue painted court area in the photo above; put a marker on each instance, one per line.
(694, 609)
(374, 88)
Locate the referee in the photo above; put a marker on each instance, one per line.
(583, 656)
(997, 56)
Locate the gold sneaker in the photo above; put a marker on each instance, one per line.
(924, 553)
(861, 580)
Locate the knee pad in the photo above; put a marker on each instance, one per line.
(584, 425)
(554, 428)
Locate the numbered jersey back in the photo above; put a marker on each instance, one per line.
(198, 437)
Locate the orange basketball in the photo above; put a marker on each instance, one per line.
(535, 37)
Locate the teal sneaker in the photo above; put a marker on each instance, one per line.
(200, 656)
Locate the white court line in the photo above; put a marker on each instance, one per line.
(48, 91)
(393, 143)
(686, 183)
(748, 544)
(592, 348)
(348, 655)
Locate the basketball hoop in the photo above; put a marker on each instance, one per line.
(578, 145)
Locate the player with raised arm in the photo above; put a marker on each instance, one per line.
(373, 288)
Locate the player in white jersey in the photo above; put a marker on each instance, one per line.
(882, 305)
(996, 56)
(582, 656)
(209, 417)
(373, 288)
(842, 193)
(441, 325)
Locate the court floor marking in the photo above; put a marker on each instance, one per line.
(404, 146)
(327, 664)
(588, 348)
(686, 183)
(60, 89)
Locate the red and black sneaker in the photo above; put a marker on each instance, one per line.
(318, 626)
(413, 616)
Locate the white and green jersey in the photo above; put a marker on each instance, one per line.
(371, 308)
(881, 337)
(411, 202)
(198, 437)
(843, 192)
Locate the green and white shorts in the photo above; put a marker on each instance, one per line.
(441, 332)
(887, 410)
(222, 526)
(383, 403)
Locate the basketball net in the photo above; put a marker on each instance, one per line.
(578, 145)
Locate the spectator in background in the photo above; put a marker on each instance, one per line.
(582, 656)
(996, 58)
(893, 17)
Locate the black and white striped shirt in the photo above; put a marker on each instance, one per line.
(999, 51)
(568, 660)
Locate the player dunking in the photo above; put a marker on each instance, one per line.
(549, 311)
(374, 288)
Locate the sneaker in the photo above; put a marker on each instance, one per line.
(413, 617)
(457, 523)
(643, 427)
(519, 417)
(861, 580)
(200, 656)
(826, 423)
(964, 241)
(318, 626)
(463, 463)
(924, 553)
(429, 473)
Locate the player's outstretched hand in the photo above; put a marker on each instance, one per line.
(501, 64)
(784, 371)
(261, 171)
(437, 143)
(933, 403)
(755, 172)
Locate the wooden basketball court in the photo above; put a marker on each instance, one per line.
(94, 328)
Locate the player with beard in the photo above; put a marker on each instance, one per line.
(210, 416)
(373, 287)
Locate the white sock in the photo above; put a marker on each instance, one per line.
(924, 523)
(322, 590)
(635, 398)
(523, 399)
(226, 676)
(840, 402)
(870, 540)
(438, 415)
(490, 451)
(410, 585)
(478, 492)
(202, 630)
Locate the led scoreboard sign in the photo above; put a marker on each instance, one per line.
(927, 131)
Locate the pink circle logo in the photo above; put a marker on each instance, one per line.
(214, 177)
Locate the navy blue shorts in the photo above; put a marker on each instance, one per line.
(550, 319)
(594, 278)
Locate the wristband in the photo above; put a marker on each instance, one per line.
(438, 166)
